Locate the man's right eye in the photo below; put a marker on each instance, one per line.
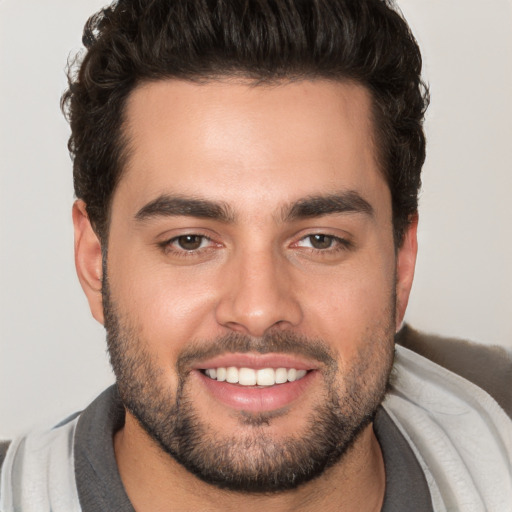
(189, 242)
(196, 246)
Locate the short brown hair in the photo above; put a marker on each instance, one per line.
(134, 41)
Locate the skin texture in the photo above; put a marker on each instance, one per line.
(257, 151)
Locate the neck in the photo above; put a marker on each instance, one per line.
(155, 482)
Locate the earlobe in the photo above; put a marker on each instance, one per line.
(88, 259)
(406, 263)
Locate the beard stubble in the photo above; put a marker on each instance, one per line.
(251, 460)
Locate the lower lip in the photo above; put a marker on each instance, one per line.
(257, 399)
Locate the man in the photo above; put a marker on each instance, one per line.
(245, 228)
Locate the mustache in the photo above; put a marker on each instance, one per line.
(279, 342)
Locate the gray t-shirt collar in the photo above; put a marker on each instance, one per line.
(100, 488)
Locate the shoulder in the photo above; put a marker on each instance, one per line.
(38, 463)
(4, 445)
(449, 398)
(489, 367)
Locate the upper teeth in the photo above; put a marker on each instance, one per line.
(251, 377)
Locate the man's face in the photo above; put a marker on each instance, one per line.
(252, 229)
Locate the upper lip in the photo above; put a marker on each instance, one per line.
(257, 361)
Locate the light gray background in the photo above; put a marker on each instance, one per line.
(52, 353)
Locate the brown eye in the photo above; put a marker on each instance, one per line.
(321, 241)
(190, 242)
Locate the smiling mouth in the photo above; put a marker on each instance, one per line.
(263, 377)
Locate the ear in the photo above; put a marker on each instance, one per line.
(88, 259)
(406, 263)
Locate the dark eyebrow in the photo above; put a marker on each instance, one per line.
(175, 206)
(316, 206)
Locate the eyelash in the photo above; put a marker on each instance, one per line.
(168, 248)
(337, 244)
(340, 244)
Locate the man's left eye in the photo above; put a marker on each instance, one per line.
(319, 241)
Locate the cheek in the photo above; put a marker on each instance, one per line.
(168, 306)
(350, 303)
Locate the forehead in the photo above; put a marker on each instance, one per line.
(234, 141)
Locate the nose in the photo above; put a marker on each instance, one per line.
(257, 294)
